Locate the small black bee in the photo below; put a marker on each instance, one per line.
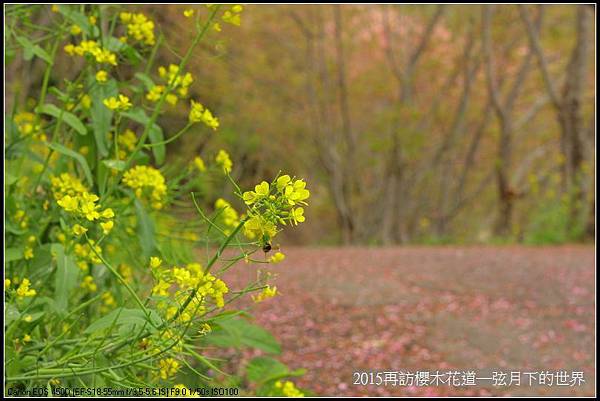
(267, 247)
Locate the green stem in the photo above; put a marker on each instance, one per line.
(171, 139)
(120, 278)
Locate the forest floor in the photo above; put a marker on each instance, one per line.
(409, 309)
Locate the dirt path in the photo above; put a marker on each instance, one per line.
(434, 308)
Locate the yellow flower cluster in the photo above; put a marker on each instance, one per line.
(233, 15)
(127, 141)
(93, 48)
(272, 204)
(259, 227)
(199, 113)
(183, 279)
(139, 27)
(72, 196)
(168, 368)
(141, 178)
(288, 389)
(175, 81)
(120, 103)
(89, 284)
(26, 125)
(24, 291)
(224, 161)
(86, 254)
(268, 292)
(155, 93)
(227, 215)
(21, 218)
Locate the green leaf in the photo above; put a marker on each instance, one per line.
(238, 333)
(78, 19)
(67, 117)
(118, 165)
(145, 230)
(102, 115)
(66, 277)
(124, 316)
(30, 50)
(262, 369)
(80, 159)
(155, 134)
(146, 80)
(11, 313)
(12, 254)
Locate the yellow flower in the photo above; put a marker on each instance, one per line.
(24, 290)
(278, 257)
(26, 338)
(198, 113)
(112, 103)
(139, 27)
(6, 284)
(101, 76)
(289, 389)
(227, 214)
(171, 99)
(266, 293)
(224, 161)
(107, 226)
(70, 49)
(75, 30)
(155, 93)
(145, 177)
(297, 215)
(54, 8)
(28, 318)
(125, 103)
(155, 262)
(168, 368)
(200, 164)
(86, 101)
(233, 16)
(79, 230)
(92, 19)
(188, 13)
(68, 203)
(108, 299)
(88, 284)
(121, 103)
(260, 191)
(108, 213)
(259, 227)
(28, 253)
(217, 27)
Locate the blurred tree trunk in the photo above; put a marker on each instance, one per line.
(504, 112)
(568, 107)
(331, 142)
(394, 228)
